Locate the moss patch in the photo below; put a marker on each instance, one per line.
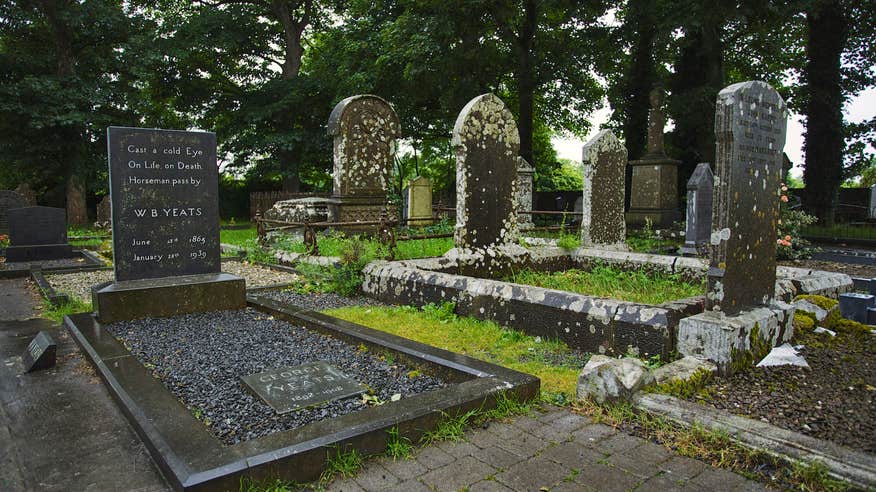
(694, 387)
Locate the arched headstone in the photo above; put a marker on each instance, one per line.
(602, 223)
(365, 129)
(750, 127)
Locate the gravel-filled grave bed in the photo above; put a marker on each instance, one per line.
(201, 357)
(835, 400)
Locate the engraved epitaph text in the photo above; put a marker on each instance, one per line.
(292, 388)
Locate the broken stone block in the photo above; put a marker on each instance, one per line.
(805, 306)
(608, 379)
(682, 369)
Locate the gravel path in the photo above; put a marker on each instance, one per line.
(201, 358)
(835, 400)
(317, 301)
(79, 284)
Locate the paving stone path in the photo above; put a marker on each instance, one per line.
(60, 430)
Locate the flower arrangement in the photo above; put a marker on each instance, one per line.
(790, 244)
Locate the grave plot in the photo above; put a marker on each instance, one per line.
(472, 275)
(220, 386)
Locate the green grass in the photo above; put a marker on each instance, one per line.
(343, 463)
(840, 231)
(238, 237)
(484, 340)
(57, 313)
(87, 243)
(372, 249)
(398, 447)
(450, 428)
(605, 281)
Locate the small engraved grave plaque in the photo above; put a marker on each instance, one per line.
(40, 353)
(287, 389)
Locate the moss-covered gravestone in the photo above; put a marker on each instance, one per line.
(750, 127)
(365, 129)
(602, 222)
(165, 221)
(487, 143)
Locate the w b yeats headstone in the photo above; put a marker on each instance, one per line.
(165, 221)
(750, 126)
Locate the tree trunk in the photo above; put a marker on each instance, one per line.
(639, 79)
(526, 80)
(77, 213)
(824, 141)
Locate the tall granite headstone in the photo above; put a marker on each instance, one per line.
(486, 143)
(750, 127)
(9, 199)
(524, 193)
(165, 221)
(654, 183)
(698, 229)
(37, 233)
(365, 129)
(602, 222)
(418, 202)
(872, 213)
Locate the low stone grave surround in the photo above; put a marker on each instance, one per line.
(594, 324)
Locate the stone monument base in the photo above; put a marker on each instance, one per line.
(658, 218)
(168, 296)
(363, 209)
(39, 252)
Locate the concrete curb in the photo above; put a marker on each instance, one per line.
(843, 463)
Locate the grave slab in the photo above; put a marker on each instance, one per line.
(287, 389)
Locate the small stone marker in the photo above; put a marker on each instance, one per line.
(8, 200)
(37, 233)
(699, 210)
(750, 127)
(165, 205)
(418, 201)
(605, 161)
(365, 129)
(40, 353)
(524, 193)
(287, 389)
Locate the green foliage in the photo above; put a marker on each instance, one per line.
(790, 242)
(72, 306)
(342, 463)
(397, 446)
(820, 301)
(603, 280)
(4, 241)
(276, 485)
(686, 388)
(444, 312)
(450, 428)
(505, 407)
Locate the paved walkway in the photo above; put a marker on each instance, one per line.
(60, 430)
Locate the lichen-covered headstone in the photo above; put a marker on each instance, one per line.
(699, 210)
(750, 127)
(605, 161)
(365, 129)
(487, 143)
(524, 193)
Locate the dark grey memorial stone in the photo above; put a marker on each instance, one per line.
(9, 199)
(165, 206)
(37, 233)
(750, 127)
(287, 389)
(605, 160)
(487, 144)
(40, 353)
(854, 306)
(699, 210)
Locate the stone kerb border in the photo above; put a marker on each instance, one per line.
(92, 262)
(842, 463)
(583, 322)
(192, 459)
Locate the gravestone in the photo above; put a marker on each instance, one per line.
(654, 182)
(165, 221)
(27, 194)
(104, 212)
(486, 143)
(418, 202)
(602, 223)
(287, 389)
(699, 210)
(524, 193)
(8, 200)
(40, 353)
(872, 213)
(37, 233)
(750, 127)
(365, 129)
